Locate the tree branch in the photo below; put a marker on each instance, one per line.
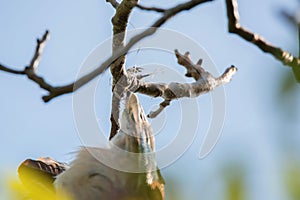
(9, 70)
(204, 83)
(119, 22)
(151, 8)
(234, 27)
(117, 68)
(114, 3)
(38, 51)
(29, 71)
(72, 87)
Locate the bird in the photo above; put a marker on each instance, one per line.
(127, 169)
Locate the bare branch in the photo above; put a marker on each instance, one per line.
(65, 89)
(90, 76)
(120, 21)
(114, 3)
(194, 71)
(9, 70)
(29, 71)
(151, 8)
(204, 83)
(162, 106)
(38, 51)
(234, 27)
(117, 68)
(35, 59)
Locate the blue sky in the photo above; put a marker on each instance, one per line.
(256, 132)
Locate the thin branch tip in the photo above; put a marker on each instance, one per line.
(228, 74)
(200, 61)
(45, 37)
(114, 3)
(160, 10)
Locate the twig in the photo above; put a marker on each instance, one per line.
(9, 70)
(162, 106)
(289, 17)
(29, 71)
(151, 8)
(114, 3)
(38, 51)
(234, 27)
(194, 71)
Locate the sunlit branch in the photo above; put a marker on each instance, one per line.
(204, 83)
